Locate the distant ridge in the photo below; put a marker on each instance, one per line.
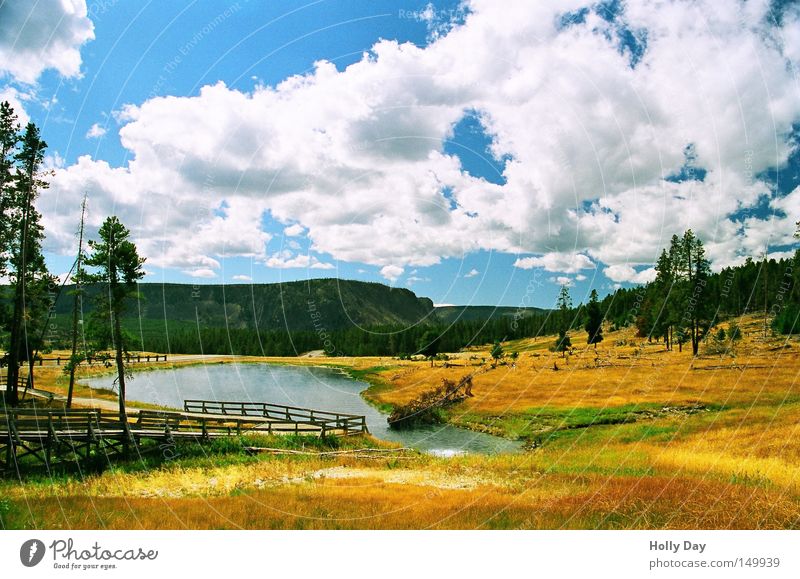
(329, 304)
(451, 314)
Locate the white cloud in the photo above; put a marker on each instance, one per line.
(201, 273)
(354, 158)
(625, 273)
(557, 262)
(392, 272)
(35, 36)
(472, 273)
(242, 278)
(286, 260)
(411, 280)
(95, 132)
(294, 230)
(563, 280)
(580, 277)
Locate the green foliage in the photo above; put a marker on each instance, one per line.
(564, 317)
(681, 297)
(428, 345)
(497, 351)
(117, 268)
(9, 139)
(734, 332)
(563, 342)
(788, 320)
(452, 314)
(594, 320)
(21, 235)
(719, 345)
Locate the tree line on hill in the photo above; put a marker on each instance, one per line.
(686, 300)
(428, 338)
(680, 307)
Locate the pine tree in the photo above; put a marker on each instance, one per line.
(661, 305)
(564, 317)
(594, 320)
(497, 352)
(119, 267)
(29, 277)
(428, 345)
(697, 315)
(9, 139)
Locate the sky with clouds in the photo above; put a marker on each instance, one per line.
(477, 152)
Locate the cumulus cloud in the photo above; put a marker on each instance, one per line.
(286, 260)
(355, 159)
(472, 273)
(35, 36)
(201, 273)
(392, 272)
(411, 280)
(95, 132)
(563, 280)
(242, 278)
(557, 262)
(625, 273)
(294, 230)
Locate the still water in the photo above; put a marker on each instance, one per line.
(308, 387)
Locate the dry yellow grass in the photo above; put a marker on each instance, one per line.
(554, 503)
(612, 375)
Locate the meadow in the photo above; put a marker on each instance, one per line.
(627, 435)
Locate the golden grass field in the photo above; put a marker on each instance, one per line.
(627, 436)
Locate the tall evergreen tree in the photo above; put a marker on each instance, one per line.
(9, 139)
(429, 345)
(698, 313)
(29, 277)
(594, 320)
(564, 314)
(118, 268)
(661, 303)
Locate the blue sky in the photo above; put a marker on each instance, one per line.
(474, 153)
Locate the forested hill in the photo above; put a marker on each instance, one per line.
(452, 314)
(329, 304)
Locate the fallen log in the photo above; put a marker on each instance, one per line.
(424, 408)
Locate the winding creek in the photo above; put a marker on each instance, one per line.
(310, 387)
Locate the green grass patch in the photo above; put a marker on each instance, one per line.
(550, 424)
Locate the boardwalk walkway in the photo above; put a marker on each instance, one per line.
(49, 435)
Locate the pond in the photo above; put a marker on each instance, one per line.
(305, 386)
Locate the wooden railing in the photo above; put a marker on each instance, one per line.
(328, 422)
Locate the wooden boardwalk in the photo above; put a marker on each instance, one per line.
(48, 435)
